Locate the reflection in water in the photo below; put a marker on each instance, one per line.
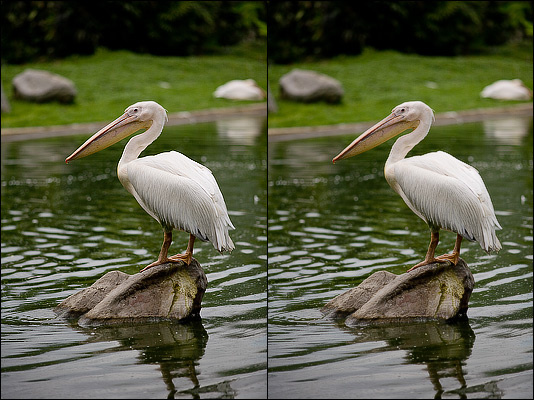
(241, 130)
(443, 347)
(175, 347)
(60, 235)
(508, 130)
(330, 227)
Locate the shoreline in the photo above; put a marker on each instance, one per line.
(274, 134)
(177, 118)
(445, 118)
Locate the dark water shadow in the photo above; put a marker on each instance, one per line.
(173, 346)
(443, 346)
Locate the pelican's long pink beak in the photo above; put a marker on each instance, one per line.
(112, 133)
(389, 127)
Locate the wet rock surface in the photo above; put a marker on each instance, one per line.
(171, 291)
(434, 291)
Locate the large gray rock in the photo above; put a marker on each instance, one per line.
(435, 291)
(310, 86)
(271, 102)
(171, 291)
(5, 102)
(42, 86)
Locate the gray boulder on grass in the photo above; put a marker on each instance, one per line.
(42, 86)
(5, 102)
(310, 86)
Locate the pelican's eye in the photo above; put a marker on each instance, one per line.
(133, 111)
(400, 111)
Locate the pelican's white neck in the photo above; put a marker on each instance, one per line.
(138, 143)
(405, 143)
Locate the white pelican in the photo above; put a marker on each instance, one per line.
(176, 191)
(442, 190)
(513, 89)
(237, 89)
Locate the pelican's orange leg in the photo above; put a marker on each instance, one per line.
(455, 255)
(162, 258)
(429, 259)
(188, 255)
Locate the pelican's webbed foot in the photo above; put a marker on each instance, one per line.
(159, 262)
(186, 257)
(452, 258)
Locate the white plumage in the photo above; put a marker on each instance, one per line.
(513, 89)
(448, 194)
(181, 194)
(442, 190)
(237, 89)
(175, 190)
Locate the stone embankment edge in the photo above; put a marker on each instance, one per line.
(179, 118)
(446, 118)
(275, 134)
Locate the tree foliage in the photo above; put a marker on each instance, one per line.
(297, 29)
(51, 29)
(318, 29)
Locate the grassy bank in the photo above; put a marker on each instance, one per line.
(375, 82)
(108, 82)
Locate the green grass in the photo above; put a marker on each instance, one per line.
(375, 82)
(108, 82)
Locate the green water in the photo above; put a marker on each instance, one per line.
(331, 226)
(320, 228)
(64, 226)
